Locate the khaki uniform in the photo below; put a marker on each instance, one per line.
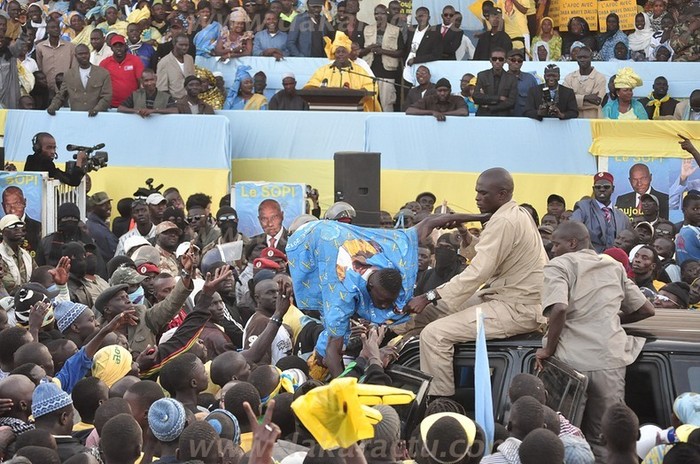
(593, 84)
(595, 288)
(504, 279)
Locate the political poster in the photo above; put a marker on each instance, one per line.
(669, 180)
(23, 195)
(586, 9)
(625, 9)
(247, 196)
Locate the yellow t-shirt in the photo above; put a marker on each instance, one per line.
(515, 22)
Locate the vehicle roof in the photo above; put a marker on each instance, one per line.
(673, 328)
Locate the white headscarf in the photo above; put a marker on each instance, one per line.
(640, 40)
(535, 47)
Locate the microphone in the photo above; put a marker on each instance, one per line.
(324, 83)
(71, 147)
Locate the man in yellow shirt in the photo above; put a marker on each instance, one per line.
(515, 19)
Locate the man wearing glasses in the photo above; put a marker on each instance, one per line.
(451, 36)
(525, 80)
(16, 263)
(602, 219)
(496, 90)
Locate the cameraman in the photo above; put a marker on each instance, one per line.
(44, 146)
(551, 100)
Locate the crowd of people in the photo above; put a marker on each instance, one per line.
(138, 340)
(139, 58)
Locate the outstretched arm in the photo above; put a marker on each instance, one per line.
(426, 226)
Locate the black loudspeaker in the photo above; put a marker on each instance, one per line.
(357, 182)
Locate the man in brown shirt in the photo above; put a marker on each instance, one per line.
(440, 104)
(54, 55)
(504, 279)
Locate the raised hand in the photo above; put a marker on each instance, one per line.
(211, 282)
(60, 273)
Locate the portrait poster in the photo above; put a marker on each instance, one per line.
(247, 196)
(23, 195)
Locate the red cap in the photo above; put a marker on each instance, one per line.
(272, 252)
(264, 263)
(116, 38)
(604, 176)
(145, 268)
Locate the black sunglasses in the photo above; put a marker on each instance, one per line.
(497, 58)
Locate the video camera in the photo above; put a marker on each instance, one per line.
(94, 161)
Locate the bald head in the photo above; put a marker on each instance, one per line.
(499, 177)
(570, 236)
(494, 188)
(19, 389)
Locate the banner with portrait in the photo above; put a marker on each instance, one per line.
(23, 195)
(247, 196)
(667, 179)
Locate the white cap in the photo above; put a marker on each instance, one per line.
(288, 74)
(218, 74)
(155, 199)
(182, 249)
(134, 242)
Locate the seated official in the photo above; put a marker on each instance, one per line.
(148, 99)
(441, 103)
(287, 98)
(342, 74)
(191, 103)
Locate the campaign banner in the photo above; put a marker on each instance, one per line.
(665, 178)
(586, 9)
(247, 196)
(625, 9)
(23, 195)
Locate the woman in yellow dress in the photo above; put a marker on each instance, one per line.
(546, 33)
(342, 74)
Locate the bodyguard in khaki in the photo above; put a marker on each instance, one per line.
(504, 279)
(587, 297)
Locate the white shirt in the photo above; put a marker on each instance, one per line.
(30, 64)
(97, 57)
(84, 76)
(277, 237)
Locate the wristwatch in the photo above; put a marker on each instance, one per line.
(184, 274)
(432, 296)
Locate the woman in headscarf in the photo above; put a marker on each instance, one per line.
(540, 51)
(577, 30)
(548, 35)
(210, 94)
(332, 74)
(234, 40)
(241, 95)
(607, 40)
(112, 23)
(36, 12)
(640, 39)
(142, 18)
(626, 107)
(78, 32)
(663, 52)
(622, 53)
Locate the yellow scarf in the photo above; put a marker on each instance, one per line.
(657, 104)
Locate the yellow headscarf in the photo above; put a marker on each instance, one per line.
(111, 363)
(239, 15)
(138, 15)
(626, 78)
(341, 40)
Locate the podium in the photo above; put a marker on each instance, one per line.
(334, 98)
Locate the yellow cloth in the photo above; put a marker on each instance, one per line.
(341, 40)
(26, 79)
(212, 388)
(3, 120)
(84, 37)
(626, 78)
(138, 15)
(119, 27)
(256, 102)
(338, 415)
(515, 22)
(657, 139)
(657, 104)
(359, 80)
(111, 363)
(293, 320)
(247, 441)
(80, 426)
